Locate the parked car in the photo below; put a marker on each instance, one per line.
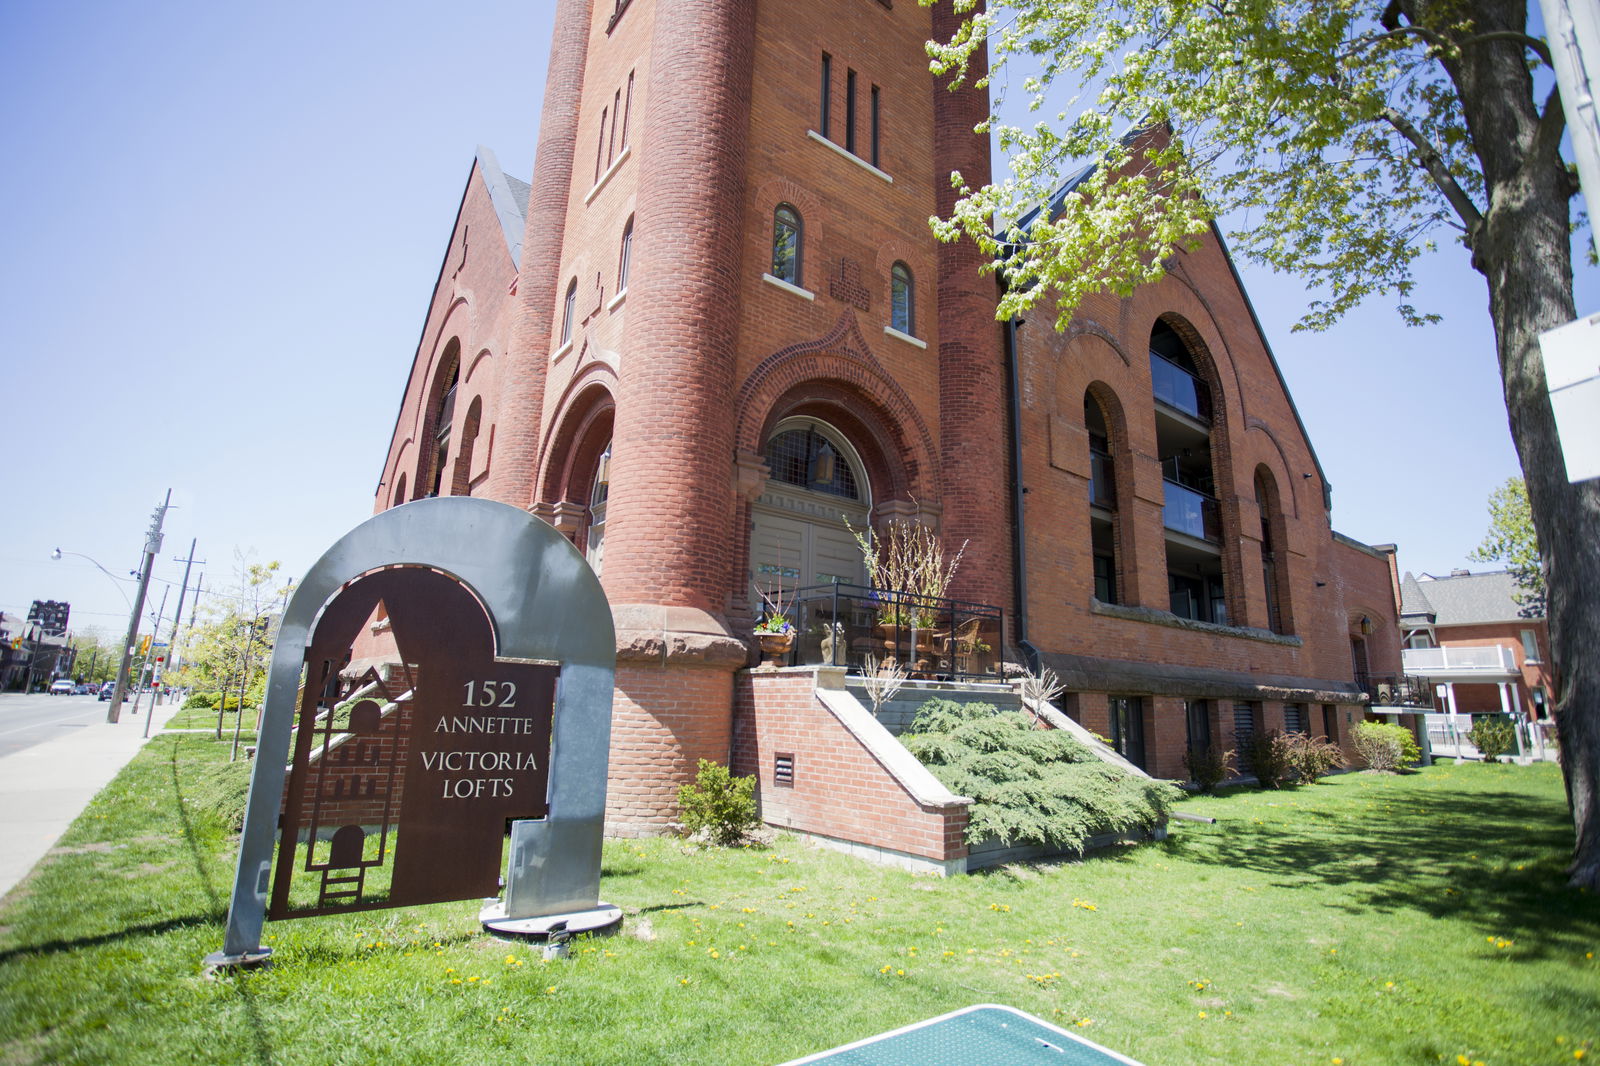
(81, 690)
(63, 687)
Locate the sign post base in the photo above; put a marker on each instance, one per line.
(222, 962)
(600, 920)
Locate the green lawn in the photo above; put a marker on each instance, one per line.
(1363, 920)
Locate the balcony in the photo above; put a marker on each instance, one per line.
(938, 639)
(1492, 663)
(1396, 691)
(1191, 513)
(1102, 483)
(1179, 389)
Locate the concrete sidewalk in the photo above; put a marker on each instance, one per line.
(45, 787)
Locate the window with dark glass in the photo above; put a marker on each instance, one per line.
(874, 125)
(849, 110)
(568, 310)
(627, 111)
(1105, 578)
(625, 256)
(806, 459)
(827, 94)
(786, 244)
(1127, 728)
(600, 147)
(902, 300)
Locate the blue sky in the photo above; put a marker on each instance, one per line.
(223, 224)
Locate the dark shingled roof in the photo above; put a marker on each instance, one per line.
(1462, 599)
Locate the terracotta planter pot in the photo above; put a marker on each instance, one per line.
(774, 646)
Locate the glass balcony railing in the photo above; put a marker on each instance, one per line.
(1190, 512)
(1176, 387)
(941, 639)
(1102, 485)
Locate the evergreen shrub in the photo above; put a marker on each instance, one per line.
(722, 805)
(1030, 785)
(1492, 737)
(1385, 747)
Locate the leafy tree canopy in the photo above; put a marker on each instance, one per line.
(1331, 129)
(1511, 540)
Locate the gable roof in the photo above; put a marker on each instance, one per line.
(1461, 599)
(510, 199)
(1054, 207)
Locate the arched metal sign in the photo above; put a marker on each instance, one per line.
(403, 781)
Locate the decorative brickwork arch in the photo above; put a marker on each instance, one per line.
(1277, 458)
(580, 435)
(1111, 543)
(836, 377)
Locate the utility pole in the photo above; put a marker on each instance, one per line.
(138, 689)
(152, 545)
(183, 590)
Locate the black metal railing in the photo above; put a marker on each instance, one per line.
(933, 638)
(1190, 512)
(1394, 690)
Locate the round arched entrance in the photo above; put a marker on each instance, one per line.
(801, 524)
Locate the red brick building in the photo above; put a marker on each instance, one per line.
(715, 333)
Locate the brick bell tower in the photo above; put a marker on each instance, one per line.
(726, 243)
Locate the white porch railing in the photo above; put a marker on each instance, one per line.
(1446, 662)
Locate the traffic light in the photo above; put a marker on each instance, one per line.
(144, 644)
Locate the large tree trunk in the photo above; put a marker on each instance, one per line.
(1523, 249)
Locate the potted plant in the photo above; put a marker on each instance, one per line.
(774, 632)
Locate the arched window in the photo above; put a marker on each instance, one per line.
(902, 300)
(399, 490)
(808, 460)
(625, 256)
(441, 429)
(1274, 561)
(568, 310)
(786, 244)
(1102, 501)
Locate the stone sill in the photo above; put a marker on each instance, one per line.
(1151, 616)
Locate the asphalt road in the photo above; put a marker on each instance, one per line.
(36, 718)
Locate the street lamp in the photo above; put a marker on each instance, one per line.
(58, 553)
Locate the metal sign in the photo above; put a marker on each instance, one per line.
(495, 719)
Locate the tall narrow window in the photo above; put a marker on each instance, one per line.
(627, 111)
(874, 125)
(624, 256)
(1127, 728)
(786, 244)
(567, 312)
(849, 110)
(902, 300)
(827, 94)
(600, 148)
(442, 420)
(611, 145)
